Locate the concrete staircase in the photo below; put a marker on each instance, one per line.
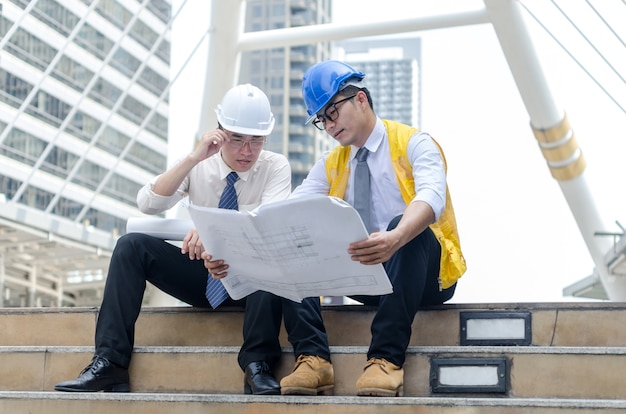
(569, 358)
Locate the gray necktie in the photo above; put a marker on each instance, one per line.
(362, 187)
(215, 291)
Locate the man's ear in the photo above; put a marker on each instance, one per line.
(362, 98)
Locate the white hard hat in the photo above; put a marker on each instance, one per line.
(245, 110)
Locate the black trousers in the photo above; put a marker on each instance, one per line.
(414, 274)
(138, 258)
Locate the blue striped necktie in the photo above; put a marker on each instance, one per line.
(362, 190)
(215, 291)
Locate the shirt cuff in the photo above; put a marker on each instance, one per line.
(150, 202)
(431, 198)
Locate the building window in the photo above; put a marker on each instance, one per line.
(114, 12)
(161, 9)
(48, 108)
(13, 90)
(104, 221)
(134, 110)
(83, 126)
(104, 93)
(278, 10)
(59, 162)
(36, 197)
(94, 41)
(9, 186)
(257, 11)
(31, 49)
(277, 82)
(276, 100)
(22, 146)
(146, 158)
(89, 175)
(112, 141)
(125, 62)
(122, 189)
(158, 125)
(163, 52)
(65, 207)
(152, 81)
(276, 64)
(143, 34)
(56, 16)
(72, 73)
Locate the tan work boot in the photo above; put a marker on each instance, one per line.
(311, 375)
(380, 378)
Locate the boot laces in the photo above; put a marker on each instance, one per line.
(304, 359)
(382, 363)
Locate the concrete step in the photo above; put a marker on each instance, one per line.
(186, 361)
(553, 324)
(534, 371)
(162, 403)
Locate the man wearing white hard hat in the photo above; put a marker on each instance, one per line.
(229, 159)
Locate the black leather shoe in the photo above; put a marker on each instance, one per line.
(100, 375)
(259, 380)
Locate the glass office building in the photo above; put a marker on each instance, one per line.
(393, 75)
(279, 73)
(83, 125)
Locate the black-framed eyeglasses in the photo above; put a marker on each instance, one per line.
(331, 113)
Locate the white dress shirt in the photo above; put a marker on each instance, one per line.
(428, 173)
(267, 181)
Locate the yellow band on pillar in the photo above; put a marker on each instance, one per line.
(561, 151)
(569, 171)
(554, 134)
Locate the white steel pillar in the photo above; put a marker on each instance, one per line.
(554, 135)
(222, 68)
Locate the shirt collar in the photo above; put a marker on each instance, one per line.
(374, 140)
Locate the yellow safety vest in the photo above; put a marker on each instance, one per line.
(452, 263)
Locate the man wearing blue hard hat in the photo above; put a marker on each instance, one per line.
(395, 177)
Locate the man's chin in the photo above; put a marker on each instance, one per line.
(345, 142)
(342, 140)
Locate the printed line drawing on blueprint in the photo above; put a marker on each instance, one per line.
(282, 245)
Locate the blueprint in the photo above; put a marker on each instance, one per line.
(295, 248)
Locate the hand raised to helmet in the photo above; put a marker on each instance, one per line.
(209, 144)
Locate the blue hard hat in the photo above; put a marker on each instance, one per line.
(322, 81)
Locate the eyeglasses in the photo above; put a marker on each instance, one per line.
(331, 113)
(238, 141)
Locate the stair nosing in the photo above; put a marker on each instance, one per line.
(553, 350)
(320, 400)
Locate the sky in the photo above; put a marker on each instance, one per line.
(518, 234)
